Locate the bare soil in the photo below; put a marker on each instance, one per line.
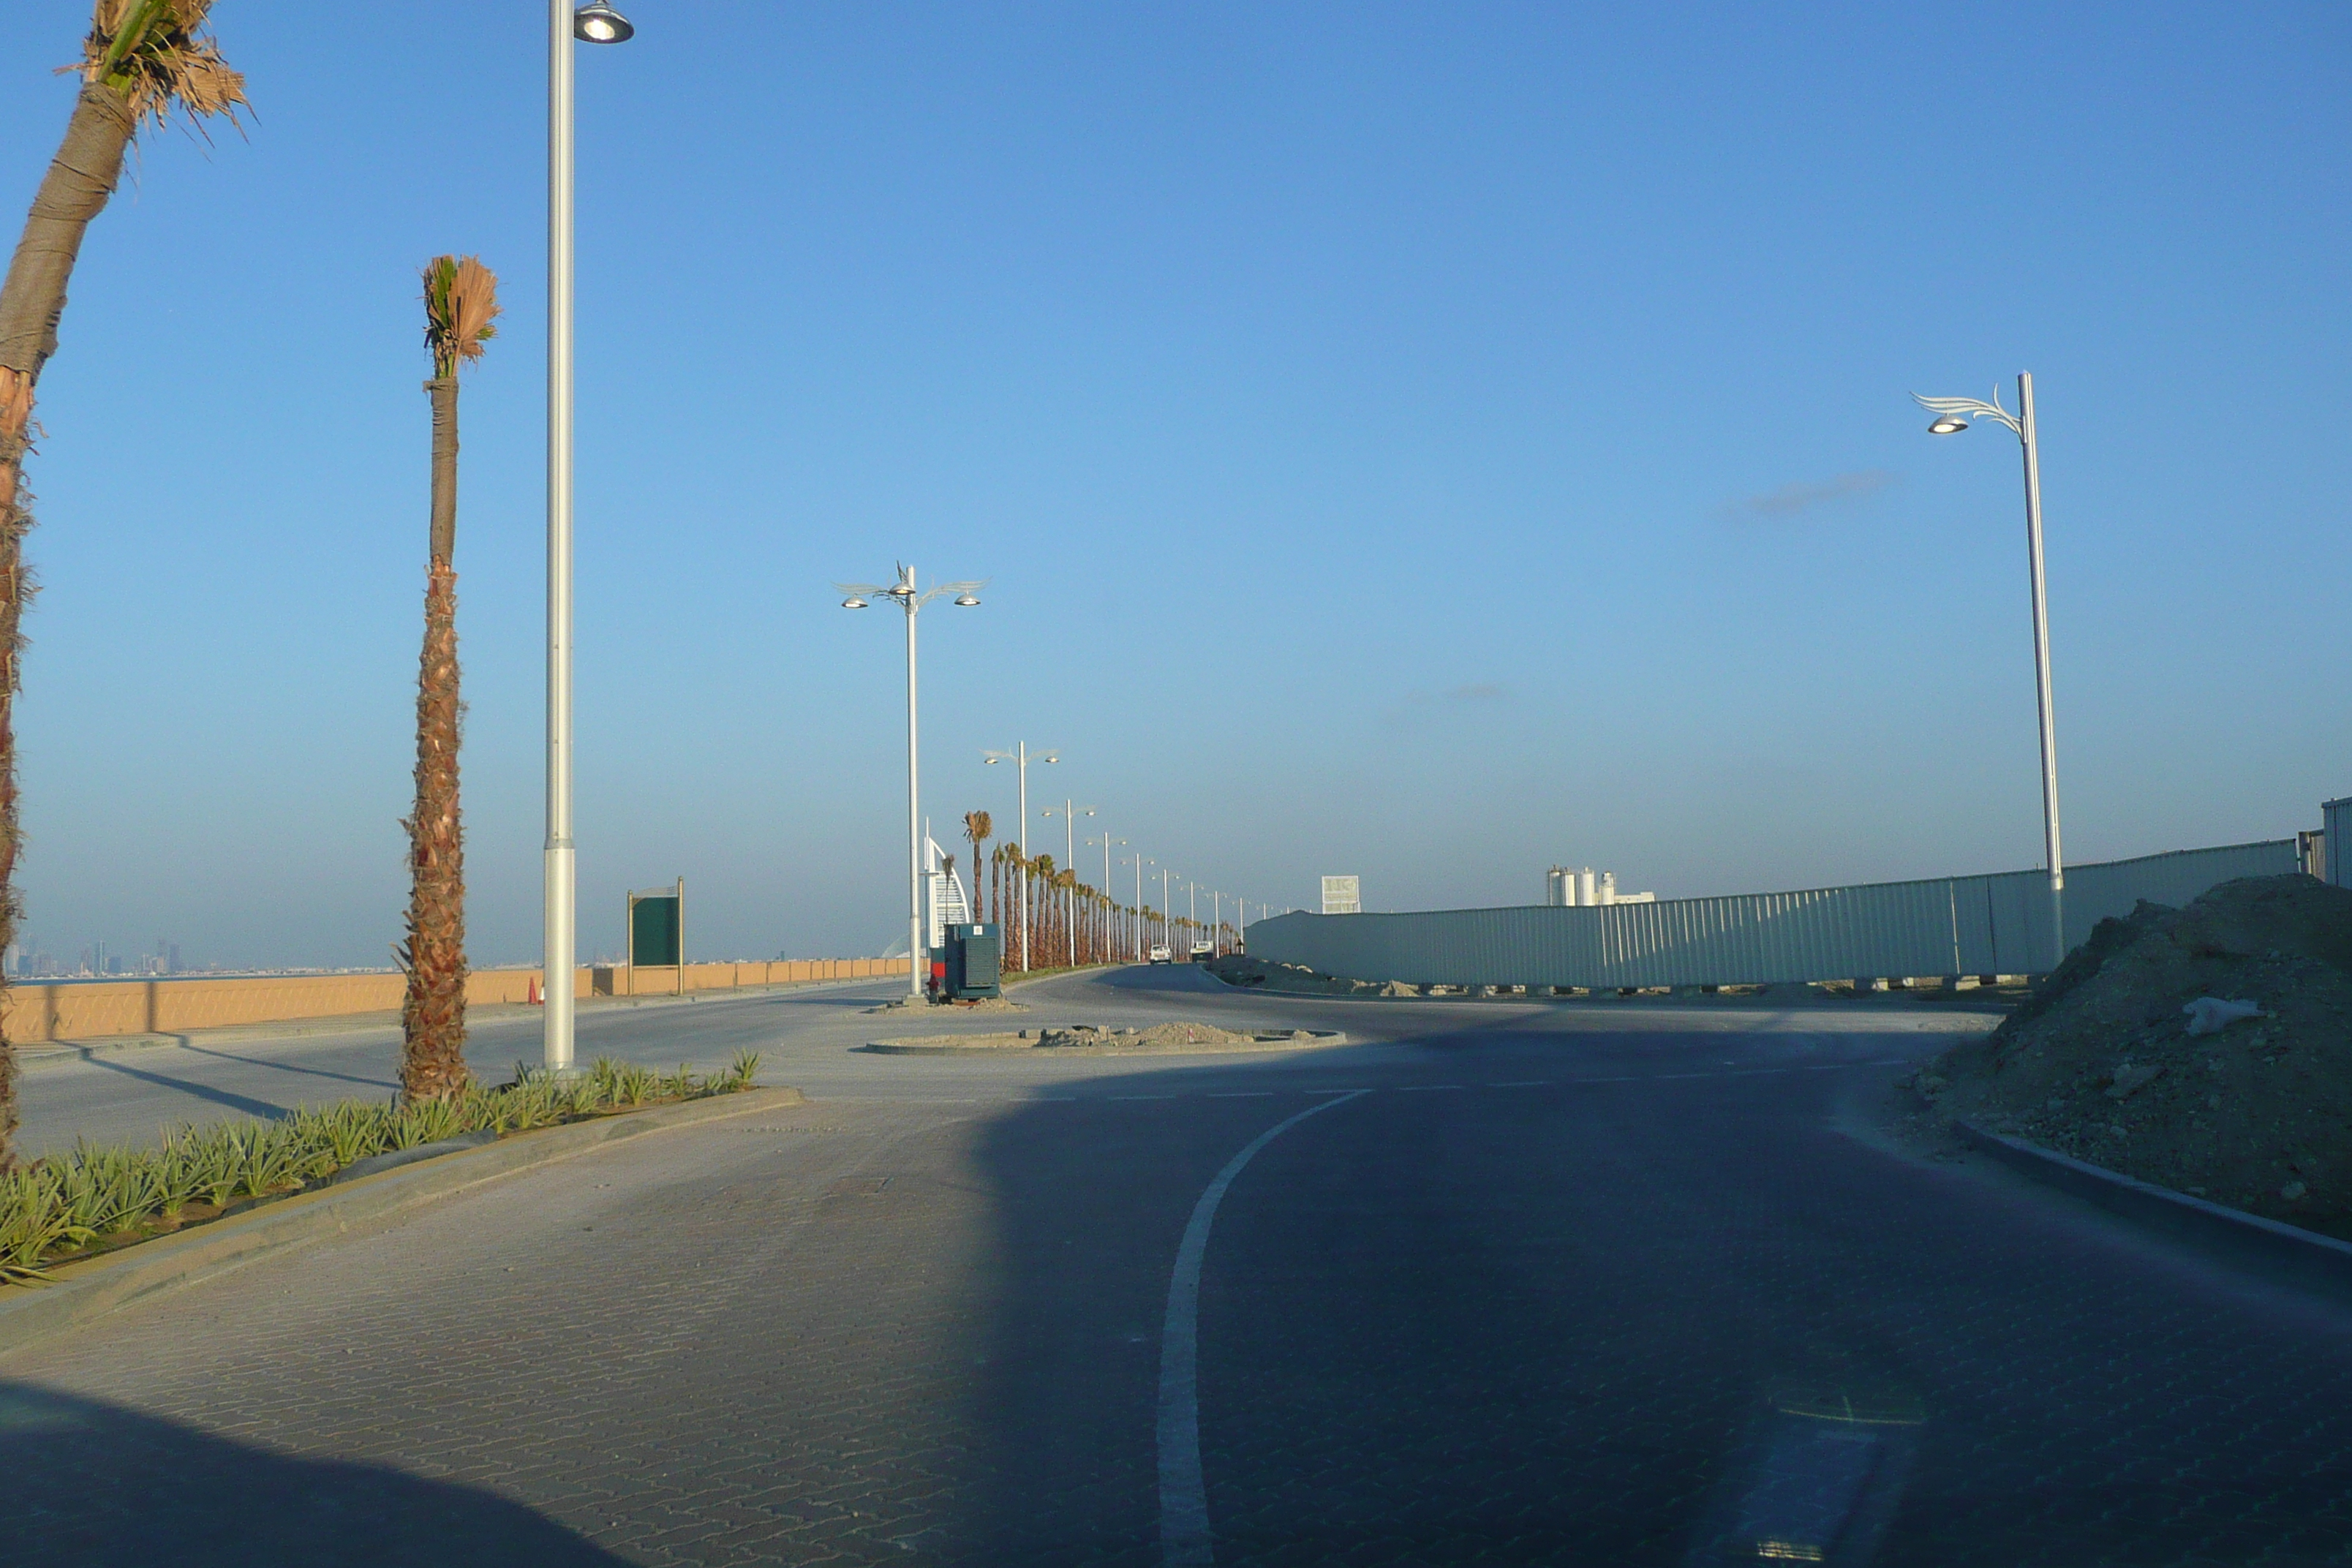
(2099, 1063)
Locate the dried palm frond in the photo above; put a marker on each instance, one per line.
(150, 51)
(461, 299)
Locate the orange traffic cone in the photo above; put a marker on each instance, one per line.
(536, 998)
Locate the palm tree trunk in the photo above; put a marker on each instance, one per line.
(80, 178)
(432, 1016)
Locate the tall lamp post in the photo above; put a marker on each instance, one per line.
(1110, 938)
(594, 24)
(1022, 756)
(1069, 813)
(1952, 415)
(911, 599)
(1141, 860)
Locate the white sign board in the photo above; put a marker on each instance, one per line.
(1339, 896)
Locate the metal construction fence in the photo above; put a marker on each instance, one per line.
(1947, 925)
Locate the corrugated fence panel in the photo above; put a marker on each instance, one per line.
(2336, 822)
(1963, 925)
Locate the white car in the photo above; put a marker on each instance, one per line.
(1160, 954)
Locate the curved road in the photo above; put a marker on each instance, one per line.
(1509, 1283)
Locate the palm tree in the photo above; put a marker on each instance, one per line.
(977, 827)
(142, 61)
(461, 297)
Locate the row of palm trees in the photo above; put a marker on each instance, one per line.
(1069, 922)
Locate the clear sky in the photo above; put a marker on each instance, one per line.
(1424, 441)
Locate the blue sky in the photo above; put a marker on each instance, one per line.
(1430, 442)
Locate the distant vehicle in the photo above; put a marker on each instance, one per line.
(1202, 953)
(1160, 954)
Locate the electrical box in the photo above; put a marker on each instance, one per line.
(974, 956)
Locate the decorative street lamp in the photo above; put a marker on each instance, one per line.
(911, 599)
(1952, 415)
(1141, 860)
(1069, 813)
(595, 24)
(1022, 756)
(1110, 941)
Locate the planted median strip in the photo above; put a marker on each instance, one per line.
(99, 1199)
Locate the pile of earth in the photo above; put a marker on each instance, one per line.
(2100, 1063)
(978, 1005)
(1158, 1034)
(1235, 969)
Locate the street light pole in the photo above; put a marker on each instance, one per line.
(1111, 939)
(1021, 757)
(1951, 419)
(911, 600)
(1069, 813)
(595, 24)
(1140, 863)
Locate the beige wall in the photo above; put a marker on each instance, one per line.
(36, 1011)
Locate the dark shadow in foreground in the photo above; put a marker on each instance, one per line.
(96, 1486)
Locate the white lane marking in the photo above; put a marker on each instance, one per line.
(1184, 1540)
(1143, 1096)
(1238, 1094)
(1422, 1088)
(1523, 1083)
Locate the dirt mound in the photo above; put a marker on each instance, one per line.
(1236, 970)
(978, 1005)
(2101, 1064)
(1158, 1036)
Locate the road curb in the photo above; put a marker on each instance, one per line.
(90, 1289)
(2246, 1239)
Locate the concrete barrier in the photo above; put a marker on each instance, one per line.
(38, 1011)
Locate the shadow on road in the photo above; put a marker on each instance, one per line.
(235, 1101)
(96, 1486)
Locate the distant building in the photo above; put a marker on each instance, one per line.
(1341, 896)
(1564, 887)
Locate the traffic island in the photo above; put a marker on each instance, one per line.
(101, 1199)
(1093, 1040)
(72, 1294)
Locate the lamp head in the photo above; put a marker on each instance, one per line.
(901, 591)
(1947, 424)
(853, 603)
(967, 599)
(597, 23)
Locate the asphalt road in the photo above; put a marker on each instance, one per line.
(1503, 1284)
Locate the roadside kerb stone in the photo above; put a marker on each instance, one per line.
(91, 1288)
(2231, 1235)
